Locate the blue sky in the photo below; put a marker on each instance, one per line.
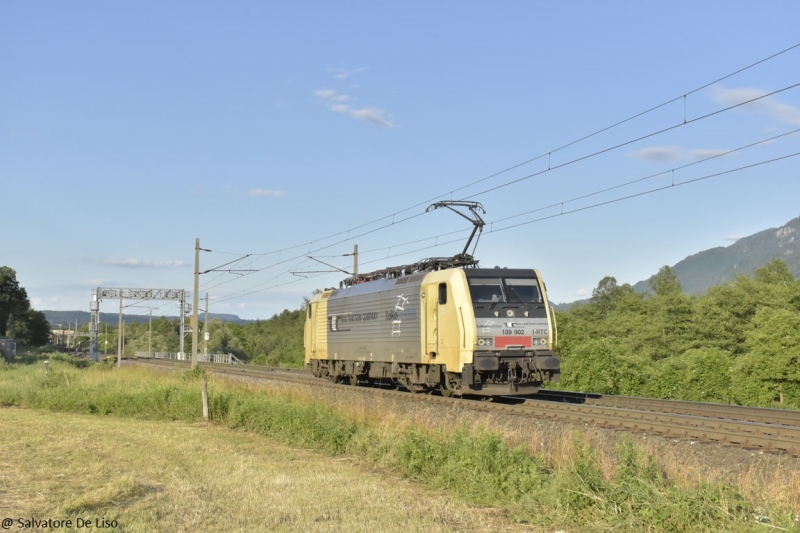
(129, 129)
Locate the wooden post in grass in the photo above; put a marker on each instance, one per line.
(205, 399)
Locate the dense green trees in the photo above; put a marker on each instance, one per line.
(275, 342)
(17, 319)
(13, 299)
(740, 342)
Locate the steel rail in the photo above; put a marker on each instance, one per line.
(785, 417)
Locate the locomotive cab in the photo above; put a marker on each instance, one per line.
(515, 334)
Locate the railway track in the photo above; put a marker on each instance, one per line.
(771, 430)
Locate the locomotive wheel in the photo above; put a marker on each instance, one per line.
(354, 381)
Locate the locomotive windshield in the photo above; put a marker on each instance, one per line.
(523, 290)
(511, 290)
(486, 290)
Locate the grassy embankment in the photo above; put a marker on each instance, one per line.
(575, 489)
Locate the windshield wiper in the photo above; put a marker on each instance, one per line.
(521, 299)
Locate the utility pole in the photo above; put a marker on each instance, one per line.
(150, 337)
(119, 334)
(183, 328)
(205, 333)
(105, 346)
(194, 299)
(355, 260)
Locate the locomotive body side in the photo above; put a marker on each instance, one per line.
(376, 321)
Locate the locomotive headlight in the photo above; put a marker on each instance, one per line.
(543, 342)
(481, 342)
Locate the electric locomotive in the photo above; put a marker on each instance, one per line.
(441, 324)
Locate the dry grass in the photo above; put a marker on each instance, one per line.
(768, 480)
(174, 476)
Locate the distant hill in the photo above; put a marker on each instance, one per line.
(69, 317)
(701, 271)
(698, 272)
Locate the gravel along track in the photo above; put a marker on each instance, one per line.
(784, 417)
(768, 430)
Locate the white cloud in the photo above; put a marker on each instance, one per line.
(36, 301)
(658, 153)
(342, 73)
(132, 262)
(582, 292)
(373, 115)
(330, 94)
(770, 105)
(705, 153)
(675, 153)
(264, 192)
(734, 237)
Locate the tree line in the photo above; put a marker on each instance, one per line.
(18, 320)
(738, 343)
(277, 341)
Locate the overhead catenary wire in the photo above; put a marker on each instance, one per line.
(589, 194)
(492, 231)
(392, 220)
(530, 160)
(626, 143)
(529, 176)
(540, 156)
(651, 176)
(643, 193)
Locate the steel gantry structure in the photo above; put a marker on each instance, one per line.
(128, 294)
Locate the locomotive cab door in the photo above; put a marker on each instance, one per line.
(443, 332)
(312, 333)
(446, 318)
(431, 320)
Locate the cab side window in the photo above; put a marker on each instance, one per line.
(442, 293)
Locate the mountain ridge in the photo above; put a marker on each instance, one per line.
(700, 271)
(68, 318)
